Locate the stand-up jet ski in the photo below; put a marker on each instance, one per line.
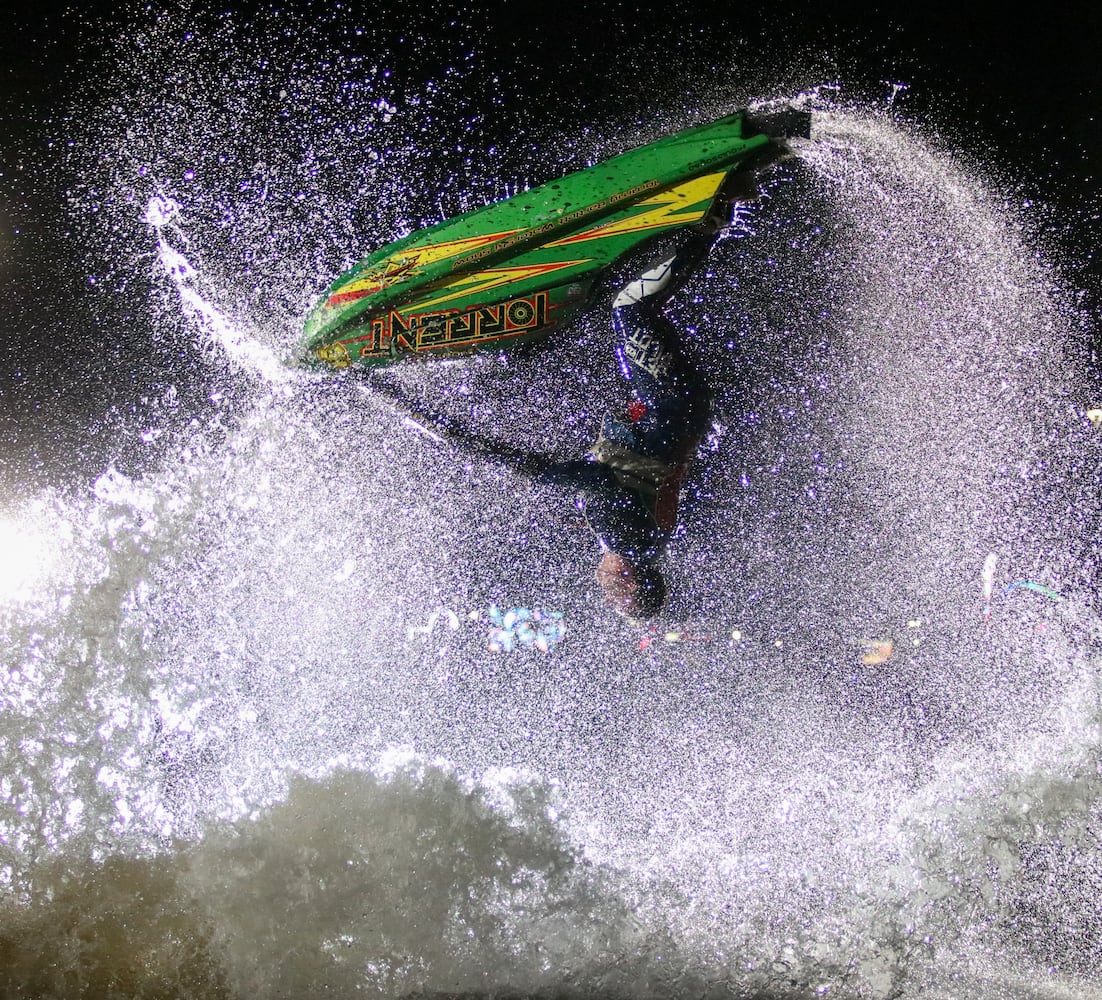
(511, 271)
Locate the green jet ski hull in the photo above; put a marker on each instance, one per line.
(512, 271)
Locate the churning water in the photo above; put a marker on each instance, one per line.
(272, 725)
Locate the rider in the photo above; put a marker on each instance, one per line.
(628, 484)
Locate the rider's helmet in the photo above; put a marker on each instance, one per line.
(631, 587)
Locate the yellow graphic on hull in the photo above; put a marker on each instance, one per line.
(404, 263)
(496, 277)
(335, 355)
(666, 208)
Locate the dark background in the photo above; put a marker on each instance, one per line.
(1017, 78)
(1018, 92)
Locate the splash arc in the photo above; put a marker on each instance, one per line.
(513, 270)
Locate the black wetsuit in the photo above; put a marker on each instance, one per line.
(628, 484)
